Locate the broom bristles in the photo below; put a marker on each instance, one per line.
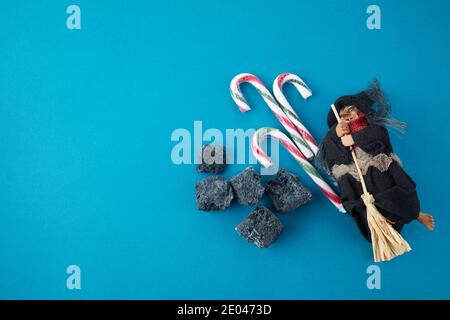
(387, 243)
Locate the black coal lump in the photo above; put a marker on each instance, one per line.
(247, 187)
(261, 227)
(212, 159)
(287, 192)
(213, 193)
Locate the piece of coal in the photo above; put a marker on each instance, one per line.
(247, 187)
(212, 159)
(287, 192)
(213, 193)
(261, 227)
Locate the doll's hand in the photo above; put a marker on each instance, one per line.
(342, 129)
(347, 140)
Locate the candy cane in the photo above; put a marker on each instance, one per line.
(285, 120)
(262, 157)
(305, 92)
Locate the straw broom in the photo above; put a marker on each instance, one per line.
(387, 243)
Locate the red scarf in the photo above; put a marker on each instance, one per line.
(358, 124)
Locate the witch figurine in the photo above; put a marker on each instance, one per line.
(362, 130)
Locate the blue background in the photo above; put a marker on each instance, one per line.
(86, 118)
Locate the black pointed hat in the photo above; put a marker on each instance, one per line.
(360, 100)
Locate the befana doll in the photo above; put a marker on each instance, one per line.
(363, 128)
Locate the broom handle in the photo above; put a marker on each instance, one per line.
(363, 183)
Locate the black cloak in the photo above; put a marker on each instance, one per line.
(393, 189)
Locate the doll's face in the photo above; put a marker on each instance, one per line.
(349, 113)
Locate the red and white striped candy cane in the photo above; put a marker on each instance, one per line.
(262, 157)
(285, 120)
(305, 92)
